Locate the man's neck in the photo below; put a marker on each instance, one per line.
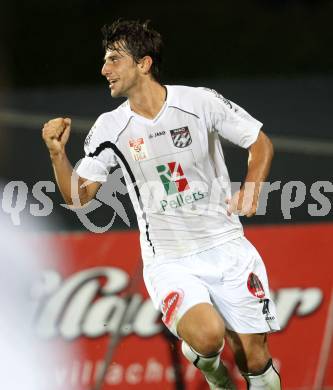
(149, 99)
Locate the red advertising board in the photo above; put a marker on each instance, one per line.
(93, 289)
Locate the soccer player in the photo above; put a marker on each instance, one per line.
(207, 279)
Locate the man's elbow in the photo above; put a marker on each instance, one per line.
(78, 200)
(86, 191)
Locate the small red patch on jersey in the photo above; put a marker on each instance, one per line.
(255, 286)
(170, 306)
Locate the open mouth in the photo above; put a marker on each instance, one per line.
(112, 83)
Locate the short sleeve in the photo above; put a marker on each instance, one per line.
(99, 156)
(231, 121)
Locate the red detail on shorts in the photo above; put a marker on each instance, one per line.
(255, 286)
(170, 306)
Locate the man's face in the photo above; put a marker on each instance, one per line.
(121, 71)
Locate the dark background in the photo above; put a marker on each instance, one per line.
(58, 43)
(274, 58)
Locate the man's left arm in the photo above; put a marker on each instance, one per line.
(245, 201)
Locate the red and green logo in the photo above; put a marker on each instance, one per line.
(173, 178)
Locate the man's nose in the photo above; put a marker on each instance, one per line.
(105, 69)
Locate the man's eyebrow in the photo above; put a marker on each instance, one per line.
(110, 55)
(114, 55)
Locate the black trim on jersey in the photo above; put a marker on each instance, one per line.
(187, 112)
(107, 145)
(100, 148)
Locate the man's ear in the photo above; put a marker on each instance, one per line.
(145, 64)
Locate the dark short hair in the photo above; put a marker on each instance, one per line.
(137, 39)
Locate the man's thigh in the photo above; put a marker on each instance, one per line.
(174, 290)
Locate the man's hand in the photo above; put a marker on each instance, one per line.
(56, 134)
(244, 201)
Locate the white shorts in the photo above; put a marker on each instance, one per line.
(232, 277)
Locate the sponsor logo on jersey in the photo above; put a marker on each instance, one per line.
(138, 149)
(170, 306)
(175, 183)
(172, 177)
(182, 200)
(156, 134)
(181, 137)
(255, 286)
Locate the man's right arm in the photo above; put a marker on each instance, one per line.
(74, 189)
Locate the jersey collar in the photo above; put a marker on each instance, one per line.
(139, 118)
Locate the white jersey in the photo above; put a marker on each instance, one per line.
(174, 168)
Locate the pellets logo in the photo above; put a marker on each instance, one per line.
(255, 286)
(173, 178)
(170, 306)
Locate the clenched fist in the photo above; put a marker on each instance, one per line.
(56, 133)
